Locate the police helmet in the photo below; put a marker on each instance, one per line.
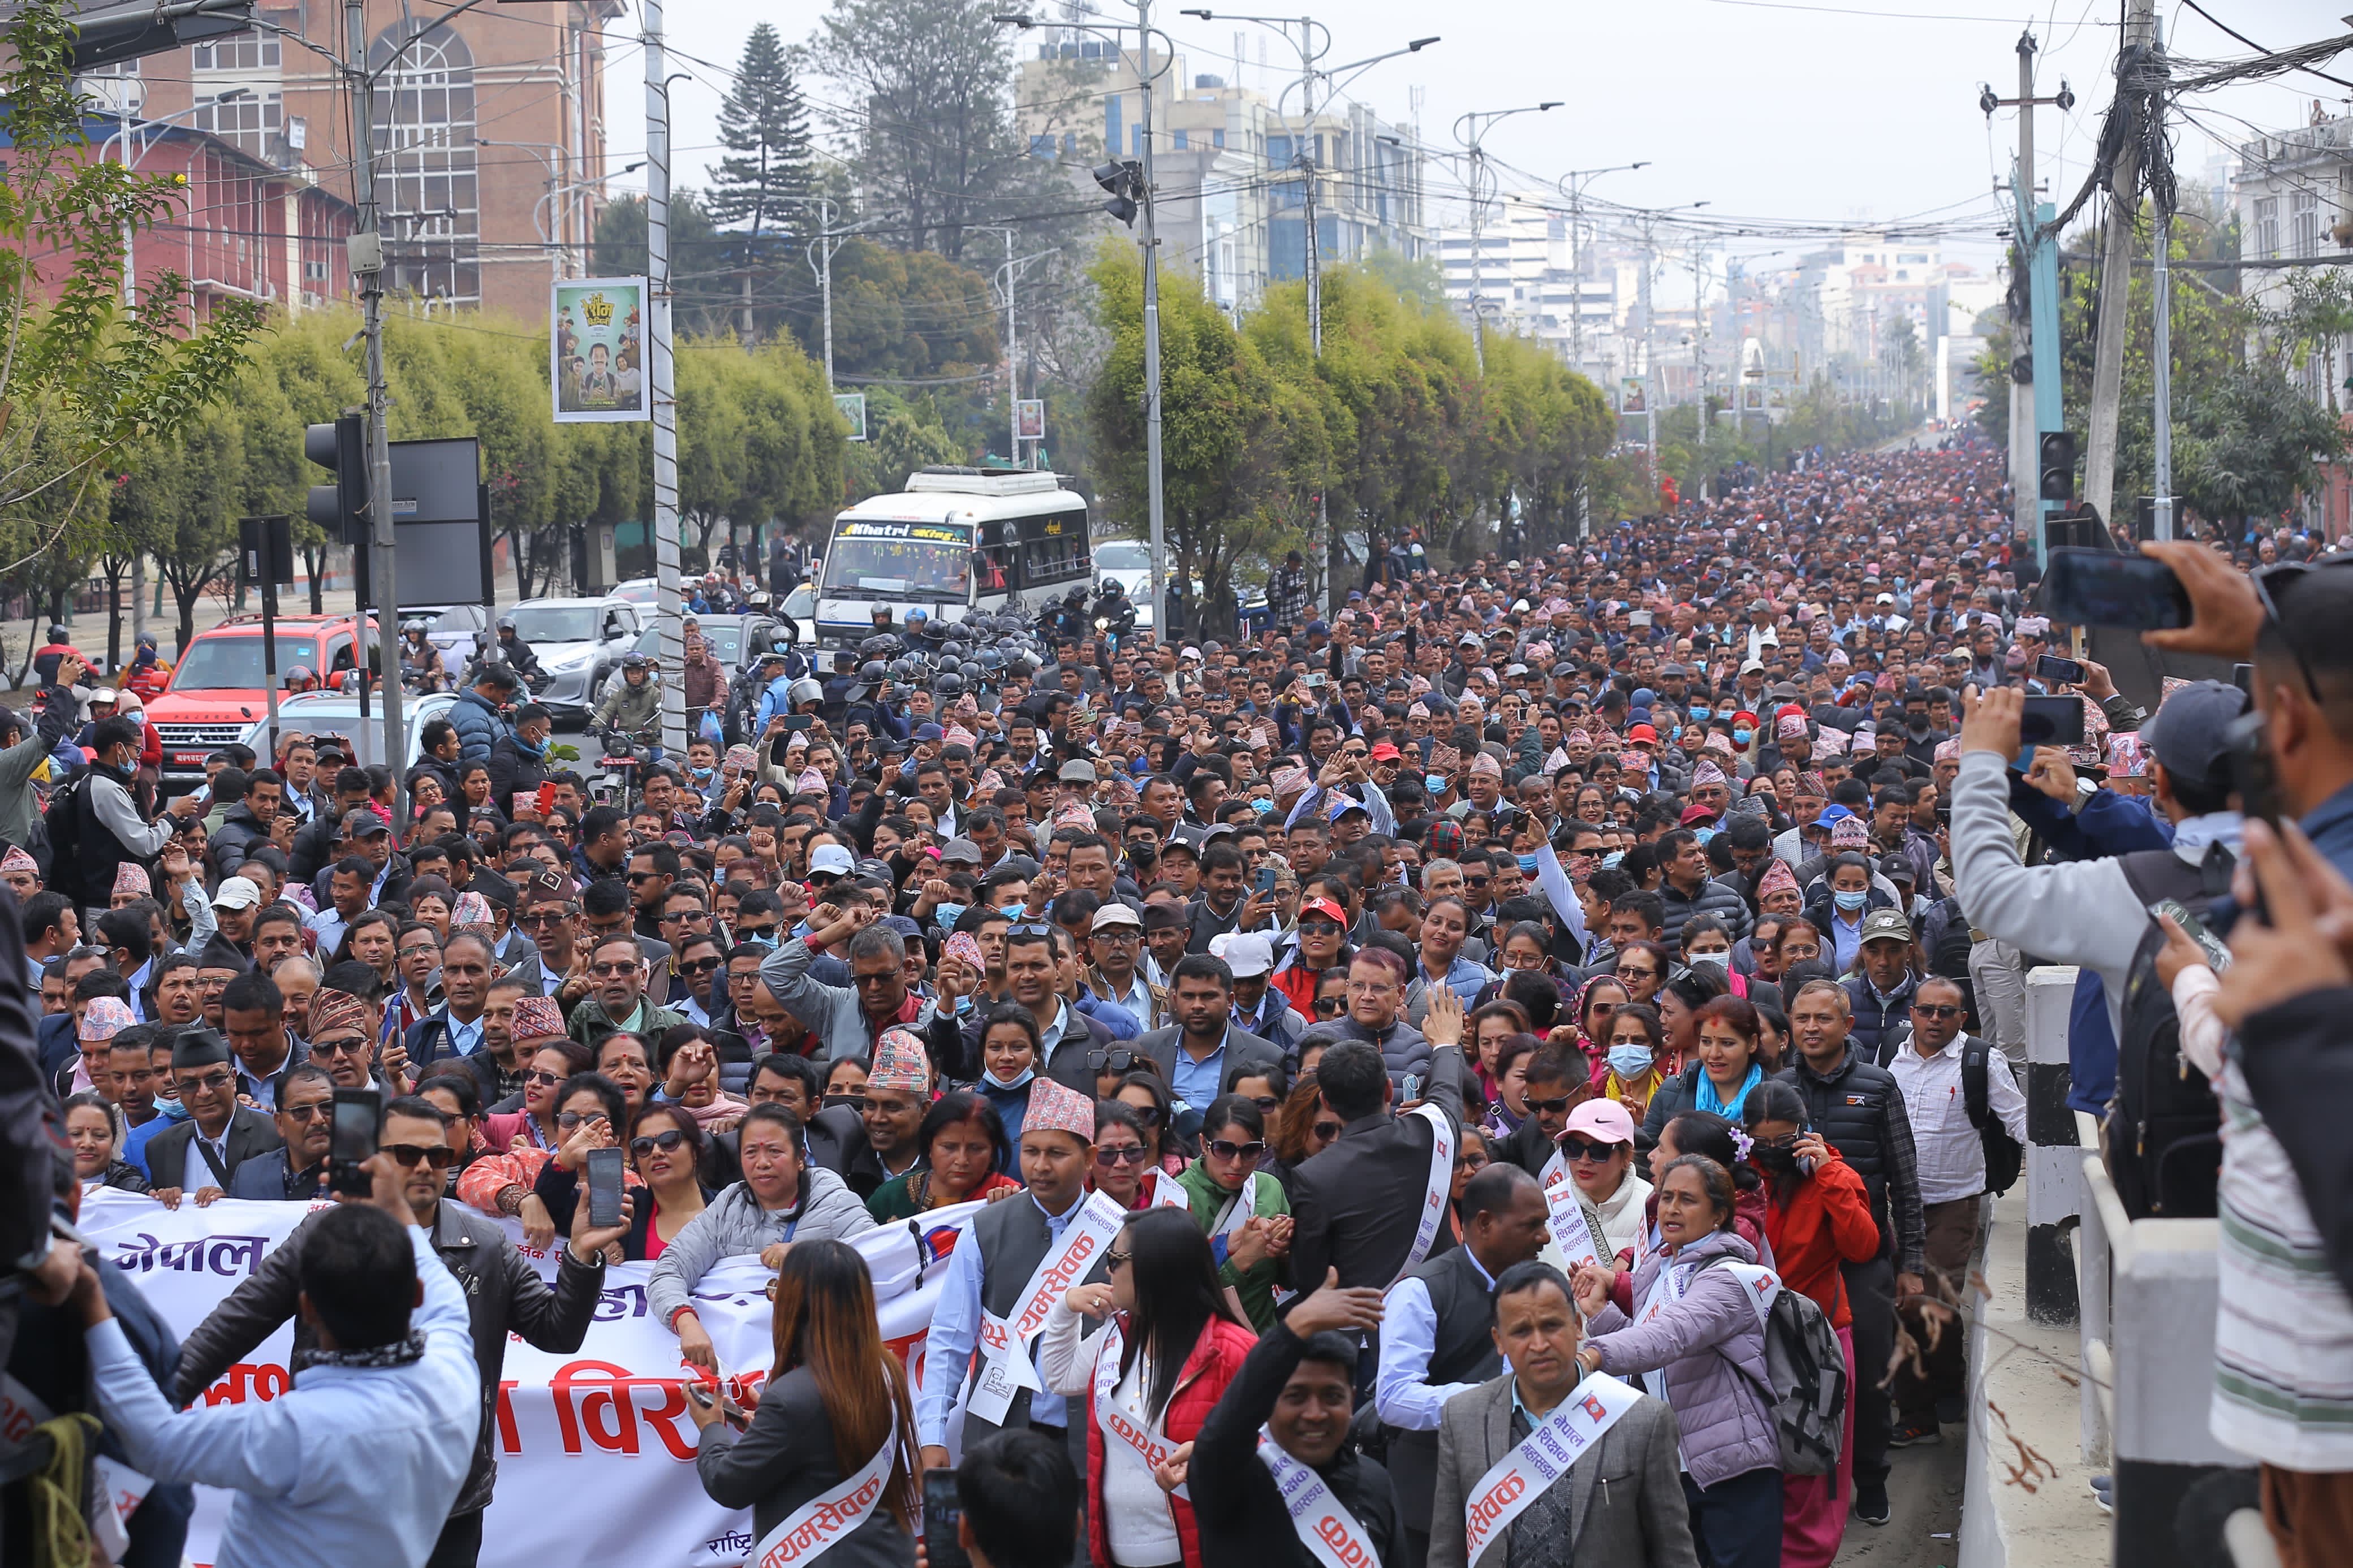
(948, 685)
(952, 650)
(804, 690)
(873, 672)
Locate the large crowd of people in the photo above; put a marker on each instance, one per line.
(1427, 1073)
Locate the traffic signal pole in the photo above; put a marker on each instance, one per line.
(366, 249)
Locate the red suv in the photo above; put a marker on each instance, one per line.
(218, 688)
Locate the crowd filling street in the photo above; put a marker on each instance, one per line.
(1508, 1065)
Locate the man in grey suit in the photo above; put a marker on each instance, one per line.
(1622, 1503)
(1196, 1053)
(203, 1153)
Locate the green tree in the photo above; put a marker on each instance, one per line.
(702, 261)
(765, 181)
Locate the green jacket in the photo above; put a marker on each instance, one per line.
(1255, 1285)
(589, 1025)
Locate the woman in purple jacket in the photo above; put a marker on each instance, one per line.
(1698, 1343)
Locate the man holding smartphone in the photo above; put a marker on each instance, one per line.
(502, 1294)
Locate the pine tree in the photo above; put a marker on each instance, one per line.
(762, 184)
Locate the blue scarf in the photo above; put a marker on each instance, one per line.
(1708, 1098)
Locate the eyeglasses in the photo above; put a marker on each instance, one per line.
(1319, 928)
(440, 1156)
(1550, 1106)
(1578, 1149)
(1226, 1149)
(1326, 1130)
(1266, 1102)
(1135, 1156)
(1329, 1006)
(572, 1118)
(543, 1078)
(357, 1046)
(1941, 1010)
(748, 932)
(211, 1082)
(665, 1142)
(1113, 1061)
(306, 1114)
(700, 966)
(1114, 1260)
(610, 970)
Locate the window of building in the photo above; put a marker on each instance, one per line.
(2303, 209)
(237, 52)
(1042, 147)
(1216, 138)
(252, 122)
(2267, 231)
(1179, 139)
(425, 125)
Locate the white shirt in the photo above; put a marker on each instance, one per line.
(1402, 1388)
(197, 1173)
(353, 1465)
(1945, 1140)
(330, 925)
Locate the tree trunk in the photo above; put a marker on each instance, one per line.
(114, 565)
(519, 545)
(314, 563)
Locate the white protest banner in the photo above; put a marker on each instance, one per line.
(594, 1448)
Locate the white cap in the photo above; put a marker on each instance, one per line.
(827, 857)
(1246, 954)
(237, 893)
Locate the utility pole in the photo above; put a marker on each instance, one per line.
(822, 265)
(663, 381)
(1649, 380)
(1480, 121)
(2161, 310)
(2116, 280)
(2034, 405)
(1151, 336)
(366, 248)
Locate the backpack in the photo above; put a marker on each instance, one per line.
(2005, 1157)
(1808, 1390)
(60, 824)
(2164, 1130)
(1949, 958)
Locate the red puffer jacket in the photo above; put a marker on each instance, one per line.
(1216, 1360)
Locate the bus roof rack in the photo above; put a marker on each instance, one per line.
(941, 478)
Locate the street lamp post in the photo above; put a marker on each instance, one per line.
(1572, 185)
(1480, 121)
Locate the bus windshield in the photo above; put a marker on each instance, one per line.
(911, 560)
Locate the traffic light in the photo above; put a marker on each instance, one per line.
(2056, 468)
(341, 508)
(1124, 180)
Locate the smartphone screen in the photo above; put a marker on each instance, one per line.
(2101, 588)
(358, 1113)
(2050, 667)
(605, 1186)
(2051, 721)
(943, 1511)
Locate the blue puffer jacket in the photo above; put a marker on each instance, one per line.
(479, 725)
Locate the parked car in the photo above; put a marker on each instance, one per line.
(218, 686)
(578, 642)
(316, 713)
(460, 631)
(643, 591)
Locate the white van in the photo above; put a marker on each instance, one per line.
(955, 541)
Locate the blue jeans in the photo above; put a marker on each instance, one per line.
(1736, 1523)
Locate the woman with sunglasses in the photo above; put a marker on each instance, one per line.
(665, 1151)
(1818, 1216)
(1142, 1092)
(589, 1107)
(835, 1396)
(1242, 1209)
(1305, 1127)
(964, 1151)
(1124, 1170)
(548, 1065)
(1171, 1345)
(1641, 969)
(783, 1198)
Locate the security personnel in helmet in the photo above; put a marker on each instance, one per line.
(632, 710)
(873, 700)
(1114, 611)
(838, 686)
(516, 653)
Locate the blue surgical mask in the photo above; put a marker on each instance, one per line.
(1262, 806)
(1434, 783)
(1699, 711)
(1013, 909)
(1740, 737)
(947, 915)
(1851, 901)
(1527, 865)
(702, 775)
(1630, 1062)
(994, 1081)
(1610, 860)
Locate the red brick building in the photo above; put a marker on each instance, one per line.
(489, 132)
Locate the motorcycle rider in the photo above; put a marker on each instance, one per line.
(705, 677)
(1114, 612)
(1067, 616)
(300, 679)
(150, 672)
(632, 711)
(420, 660)
(517, 655)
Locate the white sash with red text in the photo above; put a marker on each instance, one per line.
(1571, 1231)
(827, 1519)
(1326, 1527)
(1147, 1445)
(1441, 1186)
(1555, 1172)
(1543, 1458)
(1759, 1285)
(1005, 1366)
(1167, 1192)
(1241, 1208)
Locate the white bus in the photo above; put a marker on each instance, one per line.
(953, 542)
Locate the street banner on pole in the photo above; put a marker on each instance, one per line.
(1632, 399)
(853, 405)
(596, 350)
(1029, 418)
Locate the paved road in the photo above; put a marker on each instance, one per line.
(1924, 1494)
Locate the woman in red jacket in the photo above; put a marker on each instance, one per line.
(1155, 1370)
(1817, 1214)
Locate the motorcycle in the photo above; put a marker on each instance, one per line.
(620, 778)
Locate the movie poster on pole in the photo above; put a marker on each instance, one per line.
(596, 350)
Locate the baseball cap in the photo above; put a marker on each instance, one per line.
(1077, 772)
(832, 859)
(359, 824)
(237, 893)
(1115, 914)
(929, 733)
(1325, 908)
(960, 852)
(1247, 955)
(1603, 1121)
(1885, 924)
(2190, 734)
(1385, 753)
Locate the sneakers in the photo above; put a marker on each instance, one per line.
(1913, 1434)
(1871, 1501)
(2104, 1493)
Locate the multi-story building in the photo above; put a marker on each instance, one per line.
(1534, 269)
(2294, 194)
(1232, 168)
(489, 131)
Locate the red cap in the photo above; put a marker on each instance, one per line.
(1325, 907)
(1697, 814)
(1385, 753)
(1642, 732)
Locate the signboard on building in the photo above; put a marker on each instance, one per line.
(597, 348)
(852, 406)
(1029, 418)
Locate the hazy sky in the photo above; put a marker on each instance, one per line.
(1852, 110)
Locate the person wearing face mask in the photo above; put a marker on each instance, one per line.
(1008, 1064)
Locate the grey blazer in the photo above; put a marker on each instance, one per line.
(1242, 1048)
(1636, 1516)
